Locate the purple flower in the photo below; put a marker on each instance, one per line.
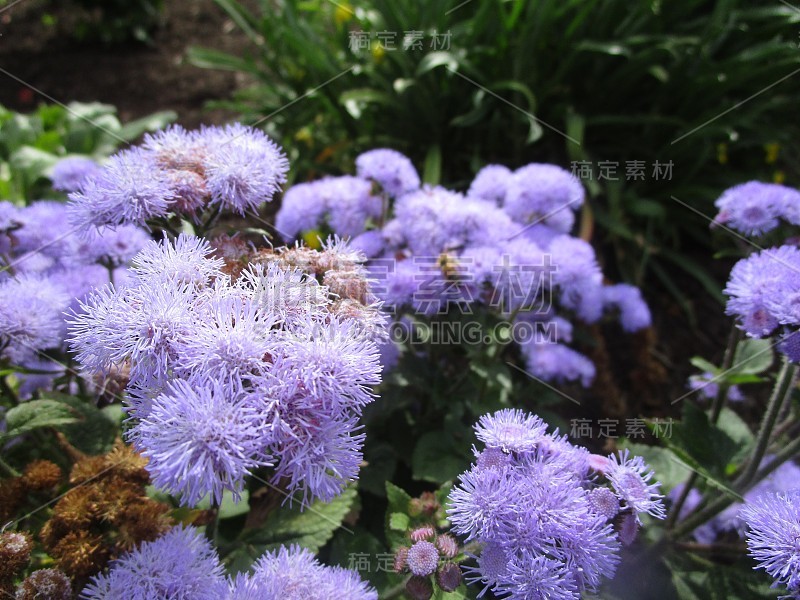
(774, 529)
(243, 167)
(546, 193)
(30, 316)
(490, 183)
(202, 438)
(295, 573)
(630, 479)
(627, 299)
(753, 289)
(705, 384)
(556, 362)
(186, 261)
(392, 170)
(180, 564)
(753, 208)
(422, 558)
(371, 243)
(69, 173)
(130, 188)
(301, 210)
(511, 430)
(532, 513)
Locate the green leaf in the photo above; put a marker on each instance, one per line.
(703, 447)
(708, 581)
(153, 122)
(753, 357)
(94, 431)
(37, 414)
(435, 459)
(311, 528)
(397, 497)
(399, 521)
(433, 166)
(704, 365)
(229, 507)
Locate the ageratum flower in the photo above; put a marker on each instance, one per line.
(69, 173)
(227, 376)
(202, 437)
(390, 169)
(758, 287)
(546, 193)
(243, 168)
(130, 188)
(630, 479)
(490, 183)
(539, 514)
(232, 168)
(773, 522)
(180, 564)
(754, 208)
(295, 573)
(627, 300)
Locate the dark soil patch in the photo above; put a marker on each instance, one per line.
(137, 78)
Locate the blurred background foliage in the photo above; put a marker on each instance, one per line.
(31, 144)
(702, 88)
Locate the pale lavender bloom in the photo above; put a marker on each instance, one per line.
(181, 564)
(558, 363)
(546, 193)
(774, 529)
(243, 167)
(42, 229)
(294, 573)
(69, 173)
(490, 183)
(202, 438)
(708, 388)
(392, 170)
(371, 243)
(753, 208)
(301, 210)
(531, 511)
(434, 220)
(511, 430)
(753, 285)
(30, 316)
(186, 261)
(630, 479)
(230, 340)
(349, 204)
(130, 188)
(577, 276)
(422, 558)
(627, 299)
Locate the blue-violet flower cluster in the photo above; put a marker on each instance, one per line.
(549, 516)
(234, 370)
(504, 247)
(182, 564)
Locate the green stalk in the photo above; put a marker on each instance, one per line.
(716, 409)
(780, 395)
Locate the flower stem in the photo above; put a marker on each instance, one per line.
(780, 395)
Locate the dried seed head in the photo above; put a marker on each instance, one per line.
(45, 583)
(15, 552)
(41, 475)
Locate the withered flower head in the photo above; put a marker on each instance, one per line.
(45, 583)
(15, 552)
(41, 475)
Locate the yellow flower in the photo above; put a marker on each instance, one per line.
(778, 177)
(311, 239)
(378, 52)
(772, 150)
(722, 153)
